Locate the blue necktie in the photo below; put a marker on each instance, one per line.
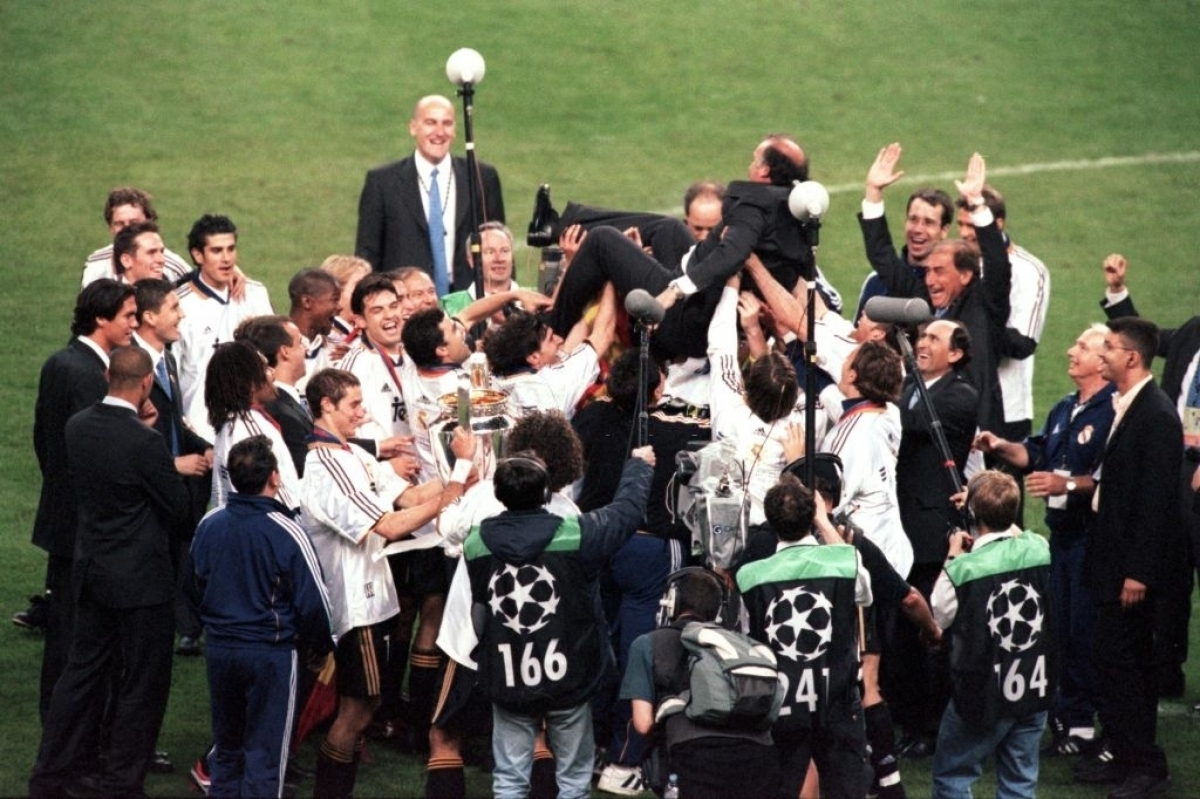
(164, 380)
(437, 237)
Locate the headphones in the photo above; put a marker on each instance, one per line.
(666, 605)
(972, 489)
(537, 466)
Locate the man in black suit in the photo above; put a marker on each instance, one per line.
(279, 341)
(130, 502)
(158, 315)
(923, 490)
(952, 280)
(754, 219)
(1137, 505)
(393, 210)
(72, 379)
(1180, 349)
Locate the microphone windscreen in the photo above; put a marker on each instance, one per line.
(808, 200)
(898, 310)
(642, 306)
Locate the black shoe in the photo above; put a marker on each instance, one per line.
(1096, 756)
(915, 746)
(296, 772)
(33, 617)
(1107, 774)
(1171, 684)
(189, 646)
(93, 787)
(545, 219)
(1136, 786)
(160, 763)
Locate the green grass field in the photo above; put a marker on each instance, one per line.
(271, 113)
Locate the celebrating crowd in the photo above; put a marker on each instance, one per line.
(469, 501)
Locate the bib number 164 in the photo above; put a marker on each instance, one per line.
(1013, 683)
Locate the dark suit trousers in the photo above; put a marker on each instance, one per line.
(1175, 591)
(1125, 679)
(915, 681)
(607, 256)
(137, 639)
(60, 621)
(667, 237)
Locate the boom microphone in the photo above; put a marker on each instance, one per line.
(808, 200)
(643, 307)
(898, 310)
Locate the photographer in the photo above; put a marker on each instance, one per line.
(991, 599)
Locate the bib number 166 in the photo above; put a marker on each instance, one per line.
(553, 666)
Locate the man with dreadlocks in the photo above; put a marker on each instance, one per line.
(236, 386)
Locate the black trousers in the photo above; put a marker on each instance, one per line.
(1126, 681)
(667, 237)
(1174, 601)
(60, 622)
(608, 256)
(838, 747)
(138, 641)
(915, 681)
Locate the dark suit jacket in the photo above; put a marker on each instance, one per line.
(1177, 346)
(170, 412)
(1138, 520)
(296, 425)
(392, 228)
(923, 487)
(983, 308)
(131, 503)
(754, 218)
(72, 379)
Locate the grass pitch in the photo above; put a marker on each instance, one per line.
(271, 113)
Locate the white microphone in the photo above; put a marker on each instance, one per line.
(808, 200)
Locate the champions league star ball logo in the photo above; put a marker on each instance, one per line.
(525, 597)
(1014, 616)
(800, 624)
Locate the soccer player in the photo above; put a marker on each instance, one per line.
(351, 506)
(211, 309)
(127, 206)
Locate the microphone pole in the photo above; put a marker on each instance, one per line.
(647, 312)
(467, 93)
(812, 233)
(935, 423)
(643, 401)
(808, 201)
(465, 67)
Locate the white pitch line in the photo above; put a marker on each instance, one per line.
(1108, 162)
(1081, 165)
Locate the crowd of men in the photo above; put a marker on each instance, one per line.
(286, 493)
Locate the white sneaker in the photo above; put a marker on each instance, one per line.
(623, 780)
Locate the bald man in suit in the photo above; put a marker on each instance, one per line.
(393, 210)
